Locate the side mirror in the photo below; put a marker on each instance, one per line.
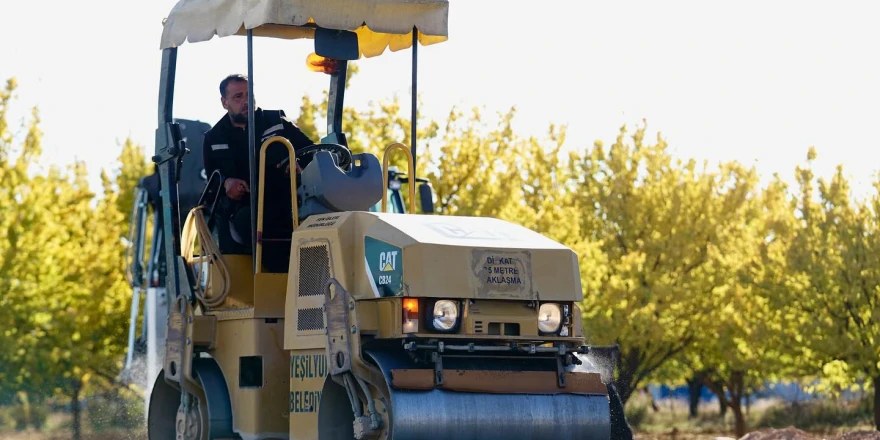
(336, 44)
(426, 197)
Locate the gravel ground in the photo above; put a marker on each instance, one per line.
(791, 433)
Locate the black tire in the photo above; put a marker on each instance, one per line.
(335, 417)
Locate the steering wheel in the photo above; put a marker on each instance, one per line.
(342, 153)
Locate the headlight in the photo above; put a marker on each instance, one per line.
(444, 316)
(549, 318)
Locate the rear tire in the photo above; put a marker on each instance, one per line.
(165, 403)
(162, 413)
(335, 417)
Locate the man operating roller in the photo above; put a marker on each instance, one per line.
(226, 149)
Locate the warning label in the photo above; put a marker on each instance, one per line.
(503, 274)
(502, 270)
(325, 221)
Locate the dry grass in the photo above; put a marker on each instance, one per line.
(68, 436)
(58, 427)
(672, 421)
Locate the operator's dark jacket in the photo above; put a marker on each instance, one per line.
(226, 149)
(226, 146)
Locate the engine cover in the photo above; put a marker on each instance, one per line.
(386, 255)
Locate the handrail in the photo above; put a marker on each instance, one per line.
(134, 252)
(412, 188)
(258, 252)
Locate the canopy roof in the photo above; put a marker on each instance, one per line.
(378, 23)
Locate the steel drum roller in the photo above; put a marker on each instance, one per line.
(440, 414)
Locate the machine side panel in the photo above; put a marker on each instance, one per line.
(250, 354)
(308, 370)
(317, 254)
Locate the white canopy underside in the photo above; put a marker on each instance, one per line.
(378, 23)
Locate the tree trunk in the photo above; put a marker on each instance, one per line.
(77, 434)
(626, 381)
(695, 385)
(877, 402)
(722, 406)
(624, 386)
(717, 388)
(737, 390)
(738, 417)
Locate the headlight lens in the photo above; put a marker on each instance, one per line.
(549, 318)
(445, 315)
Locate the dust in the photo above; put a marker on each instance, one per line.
(136, 380)
(136, 373)
(599, 360)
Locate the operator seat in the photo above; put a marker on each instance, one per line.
(326, 188)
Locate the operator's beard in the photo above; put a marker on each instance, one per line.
(239, 119)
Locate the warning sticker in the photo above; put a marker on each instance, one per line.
(502, 270)
(324, 221)
(503, 274)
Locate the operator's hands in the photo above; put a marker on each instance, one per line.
(287, 168)
(236, 188)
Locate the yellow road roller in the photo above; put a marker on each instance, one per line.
(338, 322)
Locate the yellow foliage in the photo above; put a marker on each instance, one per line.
(689, 268)
(61, 269)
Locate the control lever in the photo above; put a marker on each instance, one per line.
(179, 151)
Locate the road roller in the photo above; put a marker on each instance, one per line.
(337, 321)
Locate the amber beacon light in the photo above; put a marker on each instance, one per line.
(317, 63)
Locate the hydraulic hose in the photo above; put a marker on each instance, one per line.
(196, 227)
(352, 394)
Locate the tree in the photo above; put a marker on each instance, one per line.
(747, 341)
(663, 228)
(61, 274)
(475, 173)
(6, 204)
(133, 166)
(836, 259)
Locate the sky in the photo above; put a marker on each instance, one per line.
(757, 82)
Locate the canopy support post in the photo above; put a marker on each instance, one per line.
(412, 140)
(335, 105)
(166, 86)
(252, 149)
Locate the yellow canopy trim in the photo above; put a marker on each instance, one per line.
(370, 43)
(379, 24)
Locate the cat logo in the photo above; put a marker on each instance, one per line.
(387, 261)
(384, 264)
